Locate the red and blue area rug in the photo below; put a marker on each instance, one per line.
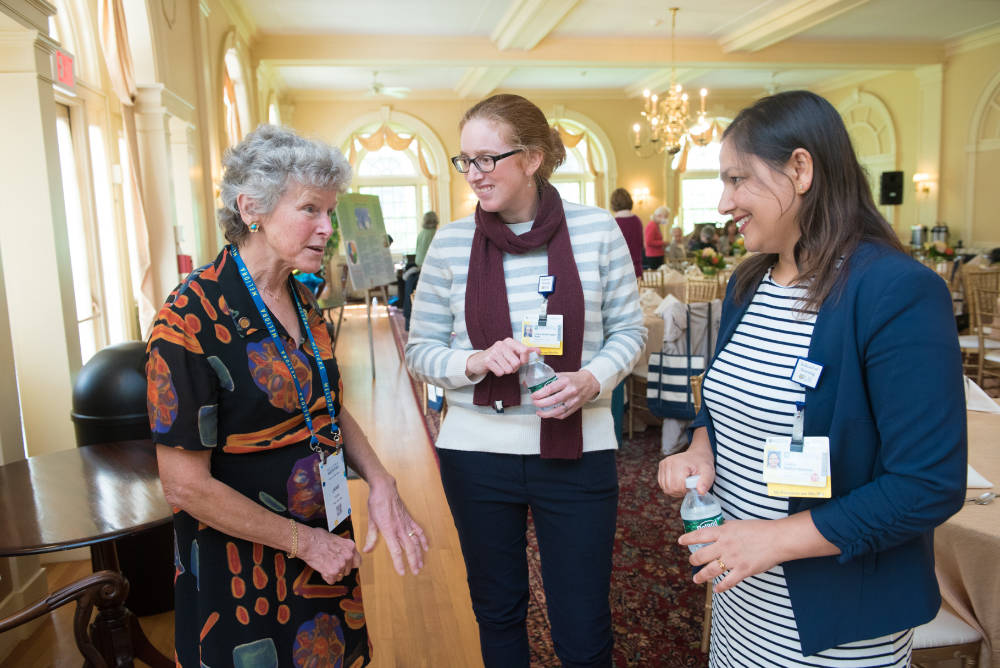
(657, 612)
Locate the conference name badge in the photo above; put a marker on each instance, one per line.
(547, 337)
(336, 498)
(791, 471)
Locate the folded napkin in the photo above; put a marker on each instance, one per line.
(977, 400)
(976, 481)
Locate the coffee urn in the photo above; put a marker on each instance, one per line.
(918, 235)
(939, 233)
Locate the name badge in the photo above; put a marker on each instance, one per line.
(336, 498)
(548, 337)
(789, 472)
(806, 373)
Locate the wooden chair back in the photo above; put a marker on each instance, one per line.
(987, 324)
(652, 279)
(977, 279)
(701, 290)
(105, 589)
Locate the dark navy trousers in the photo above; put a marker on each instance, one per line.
(574, 507)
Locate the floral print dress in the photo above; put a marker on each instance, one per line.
(216, 382)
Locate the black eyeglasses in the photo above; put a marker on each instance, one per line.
(484, 163)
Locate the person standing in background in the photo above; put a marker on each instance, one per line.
(654, 238)
(630, 224)
(676, 251)
(411, 274)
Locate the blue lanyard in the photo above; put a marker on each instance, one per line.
(280, 346)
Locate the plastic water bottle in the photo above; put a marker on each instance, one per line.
(699, 510)
(536, 374)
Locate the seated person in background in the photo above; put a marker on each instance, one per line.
(705, 238)
(730, 233)
(653, 238)
(676, 251)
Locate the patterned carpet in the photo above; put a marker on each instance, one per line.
(657, 611)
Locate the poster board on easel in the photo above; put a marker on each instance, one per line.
(364, 240)
(366, 246)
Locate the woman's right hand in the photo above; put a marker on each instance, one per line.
(328, 554)
(502, 358)
(696, 460)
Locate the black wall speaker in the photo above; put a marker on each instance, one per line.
(891, 188)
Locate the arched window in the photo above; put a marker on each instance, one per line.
(700, 188)
(234, 97)
(873, 136)
(582, 177)
(396, 176)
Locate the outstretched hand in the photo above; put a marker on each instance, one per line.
(403, 536)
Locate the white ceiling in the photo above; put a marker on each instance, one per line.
(613, 47)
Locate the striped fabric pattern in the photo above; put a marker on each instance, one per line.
(439, 345)
(750, 396)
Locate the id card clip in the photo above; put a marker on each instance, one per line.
(798, 426)
(546, 286)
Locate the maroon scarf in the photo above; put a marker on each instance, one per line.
(486, 300)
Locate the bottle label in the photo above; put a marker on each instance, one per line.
(694, 525)
(535, 388)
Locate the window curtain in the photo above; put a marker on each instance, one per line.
(570, 140)
(114, 46)
(712, 133)
(385, 136)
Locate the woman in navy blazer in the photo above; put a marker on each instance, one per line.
(859, 565)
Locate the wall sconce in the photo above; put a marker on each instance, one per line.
(922, 182)
(640, 195)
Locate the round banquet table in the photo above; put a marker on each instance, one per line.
(87, 497)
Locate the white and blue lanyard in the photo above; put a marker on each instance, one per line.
(269, 322)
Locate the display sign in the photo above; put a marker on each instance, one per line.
(62, 67)
(364, 241)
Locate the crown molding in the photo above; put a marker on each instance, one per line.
(528, 22)
(976, 40)
(783, 22)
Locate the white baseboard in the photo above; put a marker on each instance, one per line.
(33, 590)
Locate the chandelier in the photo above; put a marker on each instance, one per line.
(665, 117)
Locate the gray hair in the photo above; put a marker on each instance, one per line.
(662, 213)
(262, 166)
(430, 220)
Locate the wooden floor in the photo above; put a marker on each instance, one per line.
(415, 621)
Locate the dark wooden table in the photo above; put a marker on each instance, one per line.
(87, 497)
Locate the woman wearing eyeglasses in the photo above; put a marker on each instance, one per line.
(527, 260)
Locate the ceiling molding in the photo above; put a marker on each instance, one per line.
(241, 19)
(974, 41)
(481, 81)
(783, 22)
(585, 53)
(528, 22)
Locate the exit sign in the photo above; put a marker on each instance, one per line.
(63, 69)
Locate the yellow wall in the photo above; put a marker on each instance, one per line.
(966, 78)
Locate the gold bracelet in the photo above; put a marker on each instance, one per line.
(295, 539)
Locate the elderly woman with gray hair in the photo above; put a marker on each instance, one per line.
(245, 405)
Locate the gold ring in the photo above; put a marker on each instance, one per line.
(722, 565)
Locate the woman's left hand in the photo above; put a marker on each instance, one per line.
(738, 548)
(387, 513)
(566, 394)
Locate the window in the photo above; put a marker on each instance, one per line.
(573, 179)
(700, 187)
(394, 176)
(234, 98)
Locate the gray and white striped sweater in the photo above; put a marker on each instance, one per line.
(439, 345)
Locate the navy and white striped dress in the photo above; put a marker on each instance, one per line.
(750, 396)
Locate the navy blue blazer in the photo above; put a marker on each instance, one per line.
(891, 398)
